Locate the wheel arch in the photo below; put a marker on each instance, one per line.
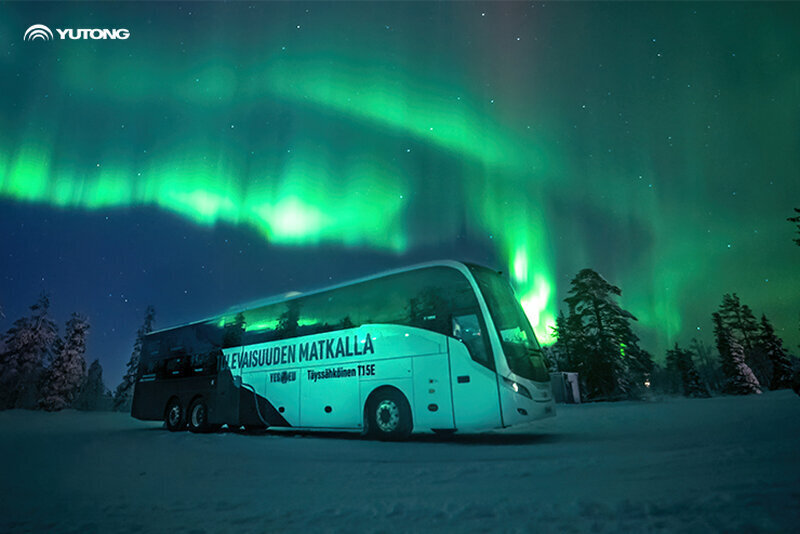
(169, 401)
(194, 398)
(377, 391)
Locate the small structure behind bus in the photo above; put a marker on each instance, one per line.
(566, 388)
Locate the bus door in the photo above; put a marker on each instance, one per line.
(476, 399)
(432, 392)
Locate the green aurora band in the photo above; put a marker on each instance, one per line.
(309, 197)
(312, 125)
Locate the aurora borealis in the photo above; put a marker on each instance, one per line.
(225, 152)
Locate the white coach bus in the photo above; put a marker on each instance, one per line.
(442, 346)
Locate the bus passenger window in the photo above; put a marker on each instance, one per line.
(467, 328)
(174, 367)
(203, 364)
(200, 364)
(151, 367)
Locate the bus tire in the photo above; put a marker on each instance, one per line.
(388, 415)
(198, 417)
(174, 417)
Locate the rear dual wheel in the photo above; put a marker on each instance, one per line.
(198, 417)
(174, 416)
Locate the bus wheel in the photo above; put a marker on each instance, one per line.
(198, 417)
(174, 416)
(388, 415)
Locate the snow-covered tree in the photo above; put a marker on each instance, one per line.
(123, 396)
(599, 339)
(65, 375)
(94, 395)
(680, 361)
(740, 378)
(28, 347)
(743, 381)
(772, 347)
(739, 319)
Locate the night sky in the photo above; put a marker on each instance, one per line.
(224, 153)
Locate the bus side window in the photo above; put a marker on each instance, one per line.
(467, 328)
(211, 363)
(197, 364)
(203, 364)
(175, 367)
(151, 367)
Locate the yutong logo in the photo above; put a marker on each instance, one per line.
(40, 31)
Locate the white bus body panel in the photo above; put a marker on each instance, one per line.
(475, 394)
(285, 395)
(332, 403)
(306, 400)
(433, 403)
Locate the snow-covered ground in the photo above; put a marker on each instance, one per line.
(727, 464)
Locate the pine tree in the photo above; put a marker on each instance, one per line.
(234, 331)
(680, 361)
(739, 319)
(639, 365)
(744, 381)
(93, 396)
(289, 321)
(550, 357)
(65, 375)
(123, 396)
(29, 345)
(611, 360)
(707, 366)
(569, 343)
(772, 347)
(741, 380)
(796, 219)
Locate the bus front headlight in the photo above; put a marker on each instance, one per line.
(519, 388)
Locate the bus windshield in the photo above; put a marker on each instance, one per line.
(520, 347)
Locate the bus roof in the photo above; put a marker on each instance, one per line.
(285, 297)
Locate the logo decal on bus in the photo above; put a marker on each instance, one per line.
(283, 377)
